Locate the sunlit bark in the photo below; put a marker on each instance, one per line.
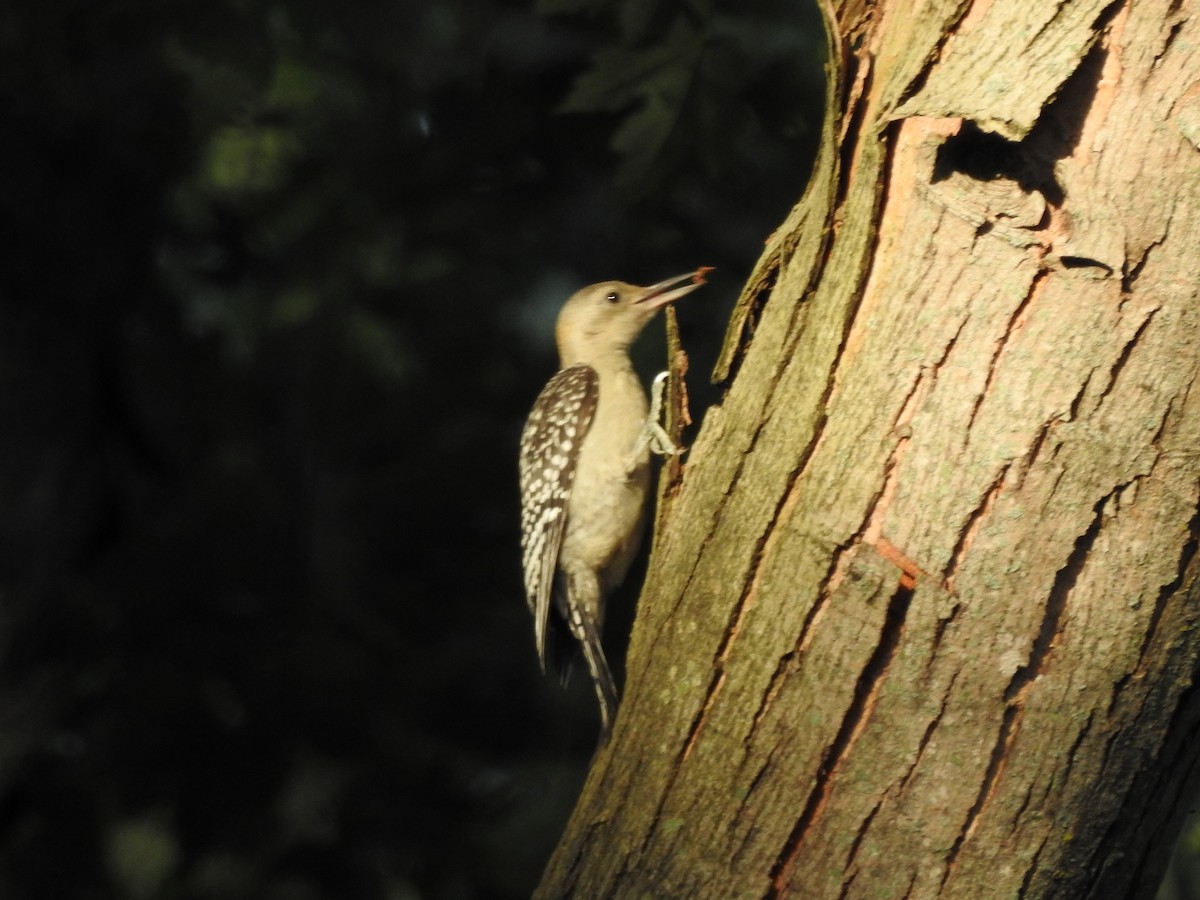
(921, 616)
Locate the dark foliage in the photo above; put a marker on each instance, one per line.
(277, 290)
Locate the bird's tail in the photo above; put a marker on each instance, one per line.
(588, 634)
(578, 598)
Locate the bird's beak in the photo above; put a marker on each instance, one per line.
(666, 291)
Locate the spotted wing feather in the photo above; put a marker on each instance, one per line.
(550, 444)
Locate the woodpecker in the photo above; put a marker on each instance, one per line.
(585, 468)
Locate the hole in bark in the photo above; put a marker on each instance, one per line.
(985, 156)
(977, 153)
(1083, 262)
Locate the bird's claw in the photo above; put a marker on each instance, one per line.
(657, 438)
(653, 436)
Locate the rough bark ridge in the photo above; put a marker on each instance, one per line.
(921, 618)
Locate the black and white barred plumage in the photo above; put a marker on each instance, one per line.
(550, 445)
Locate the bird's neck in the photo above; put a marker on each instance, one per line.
(606, 363)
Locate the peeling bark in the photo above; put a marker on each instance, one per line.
(921, 617)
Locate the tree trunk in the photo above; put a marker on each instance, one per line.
(921, 614)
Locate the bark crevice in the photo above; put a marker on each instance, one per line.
(974, 521)
(873, 675)
(1024, 677)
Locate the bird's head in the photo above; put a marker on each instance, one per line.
(604, 319)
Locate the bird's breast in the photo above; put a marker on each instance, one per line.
(608, 498)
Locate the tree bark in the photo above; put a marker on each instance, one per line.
(921, 617)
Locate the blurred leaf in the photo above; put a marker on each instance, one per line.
(620, 76)
(1190, 840)
(222, 874)
(661, 77)
(378, 346)
(250, 159)
(309, 800)
(312, 92)
(294, 85)
(431, 264)
(295, 305)
(636, 17)
(143, 852)
(219, 90)
(379, 258)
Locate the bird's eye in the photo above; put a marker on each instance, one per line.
(613, 297)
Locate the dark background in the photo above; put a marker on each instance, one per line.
(278, 282)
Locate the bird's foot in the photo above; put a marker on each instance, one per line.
(655, 435)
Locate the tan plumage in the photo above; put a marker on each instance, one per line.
(585, 455)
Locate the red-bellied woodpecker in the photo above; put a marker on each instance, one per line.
(585, 467)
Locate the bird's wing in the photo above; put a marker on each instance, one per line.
(550, 446)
